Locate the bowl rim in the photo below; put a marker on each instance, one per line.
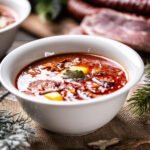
(19, 20)
(103, 98)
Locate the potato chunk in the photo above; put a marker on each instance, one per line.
(54, 96)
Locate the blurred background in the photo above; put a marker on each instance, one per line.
(125, 21)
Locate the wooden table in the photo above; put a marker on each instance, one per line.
(124, 125)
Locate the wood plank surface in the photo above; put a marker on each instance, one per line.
(34, 25)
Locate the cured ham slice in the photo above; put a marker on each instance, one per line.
(129, 29)
(80, 9)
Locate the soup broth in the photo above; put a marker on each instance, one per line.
(71, 77)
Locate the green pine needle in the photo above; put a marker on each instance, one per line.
(147, 73)
(140, 100)
(15, 134)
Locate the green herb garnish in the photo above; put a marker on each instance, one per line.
(73, 74)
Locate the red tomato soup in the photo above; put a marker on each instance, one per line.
(7, 16)
(71, 77)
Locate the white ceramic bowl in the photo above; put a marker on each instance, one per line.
(7, 35)
(72, 118)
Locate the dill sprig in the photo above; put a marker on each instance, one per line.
(140, 100)
(15, 134)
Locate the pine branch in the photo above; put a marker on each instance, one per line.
(15, 134)
(140, 100)
(147, 73)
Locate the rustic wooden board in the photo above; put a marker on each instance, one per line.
(34, 25)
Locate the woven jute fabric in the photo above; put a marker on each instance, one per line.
(123, 126)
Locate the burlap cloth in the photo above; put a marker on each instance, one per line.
(124, 126)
